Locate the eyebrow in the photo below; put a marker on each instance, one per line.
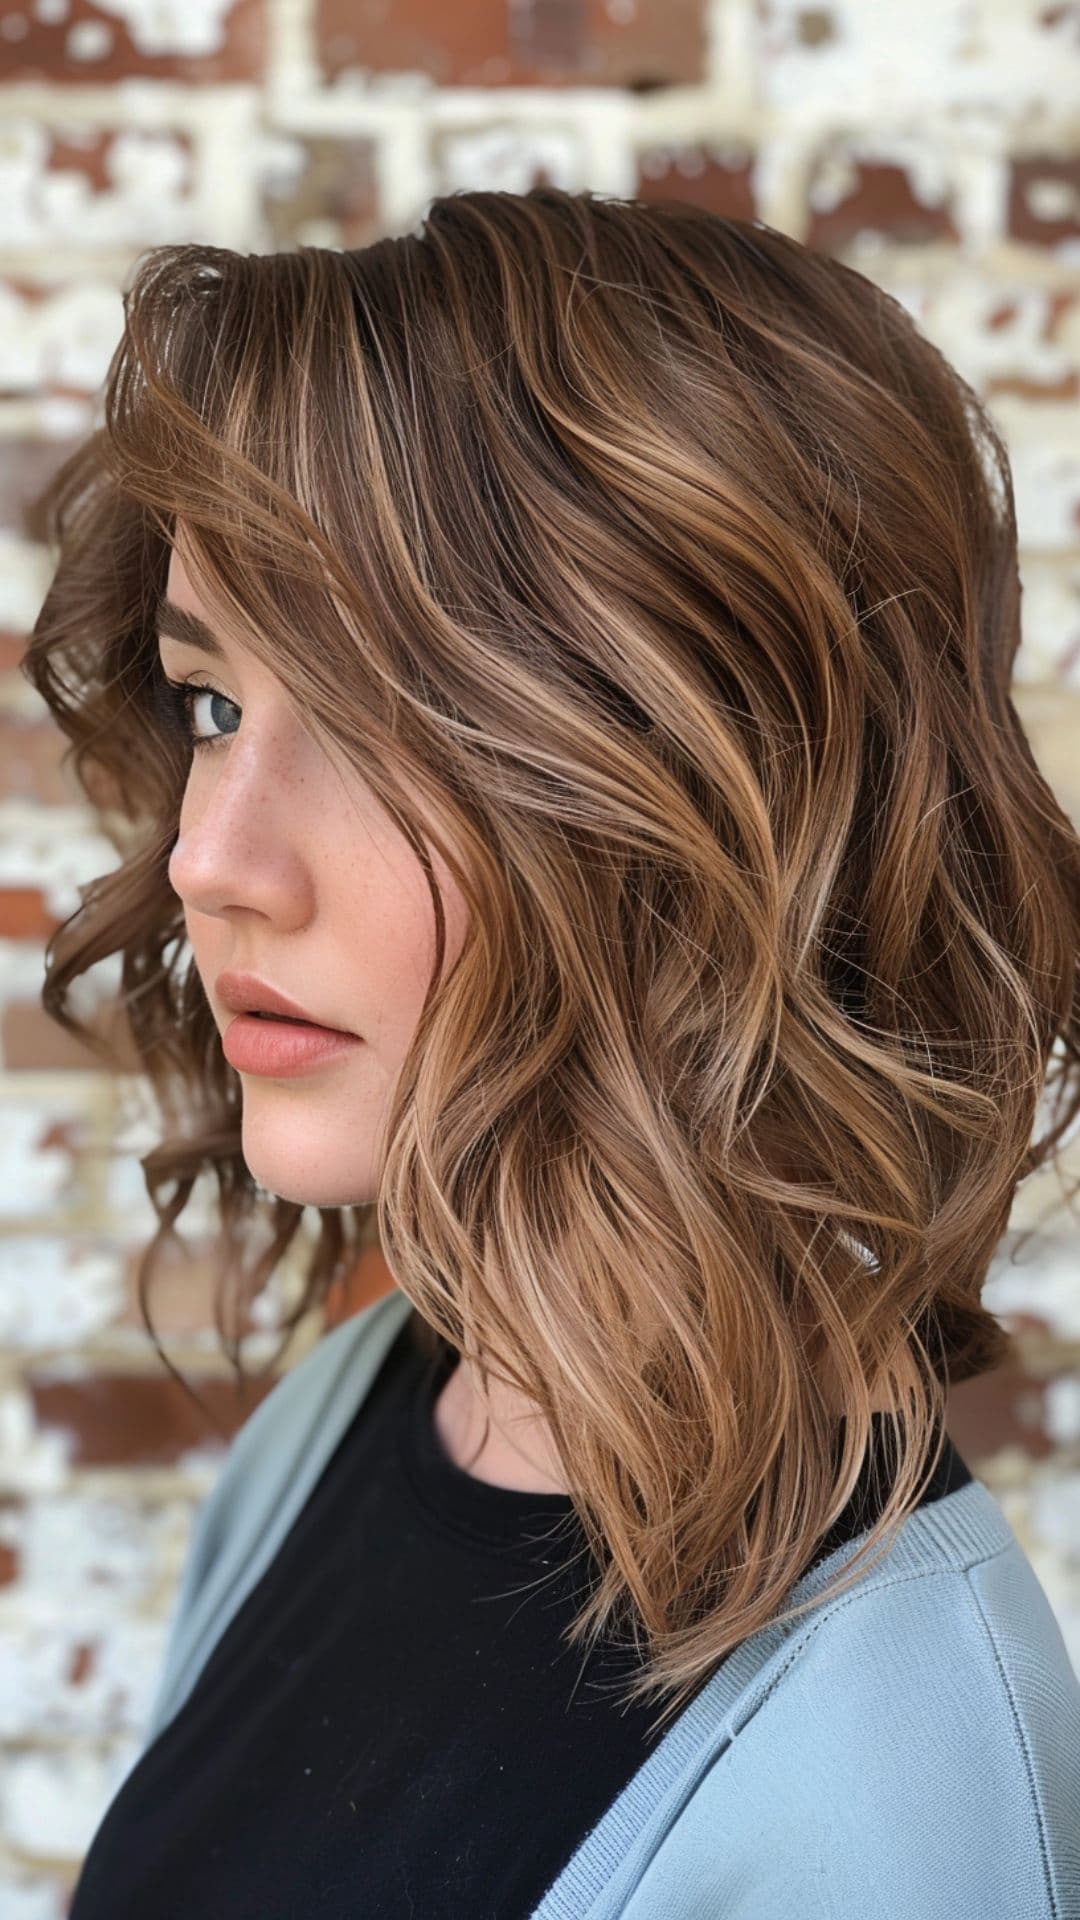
(181, 625)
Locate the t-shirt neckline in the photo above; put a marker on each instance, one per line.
(511, 1519)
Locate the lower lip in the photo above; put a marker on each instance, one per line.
(281, 1047)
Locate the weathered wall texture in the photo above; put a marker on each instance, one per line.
(935, 146)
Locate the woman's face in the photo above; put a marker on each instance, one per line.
(289, 868)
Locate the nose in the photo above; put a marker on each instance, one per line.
(241, 845)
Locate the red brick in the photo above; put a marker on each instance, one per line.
(24, 915)
(83, 1663)
(1026, 220)
(1065, 387)
(31, 752)
(32, 1042)
(1060, 302)
(489, 43)
(720, 180)
(25, 467)
(12, 649)
(9, 1559)
(999, 1409)
(883, 202)
(137, 1420)
(43, 51)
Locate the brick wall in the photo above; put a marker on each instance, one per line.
(934, 146)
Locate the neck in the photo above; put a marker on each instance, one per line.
(516, 1451)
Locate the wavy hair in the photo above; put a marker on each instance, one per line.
(676, 572)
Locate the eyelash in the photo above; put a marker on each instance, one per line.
(180, 697)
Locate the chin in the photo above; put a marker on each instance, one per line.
(289, 1183)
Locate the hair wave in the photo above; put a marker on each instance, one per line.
(675, 571)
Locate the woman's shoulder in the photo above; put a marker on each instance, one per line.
(340, 1363)
(912, 1746)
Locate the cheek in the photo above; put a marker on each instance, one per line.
(394, 941)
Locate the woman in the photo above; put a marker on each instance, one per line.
(562, 654)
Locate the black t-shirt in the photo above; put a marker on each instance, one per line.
(390, 1726)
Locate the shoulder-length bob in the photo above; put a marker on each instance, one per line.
(675, 572)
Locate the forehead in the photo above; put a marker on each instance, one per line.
(180, 586)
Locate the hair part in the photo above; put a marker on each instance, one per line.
(670, 569)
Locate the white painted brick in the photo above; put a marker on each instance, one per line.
(1049, 620)
(25, 1896)
(1055, 1511)
(37, 1696)
(25, 572)
(102, 1554)
(57, 226)
(99, 1551)
(1044, 1285)
(923, 160)
(1061, 1401)
(1046, 483)
(52, 1800)
(33, 1178)
(949, 53)
(30, 1461)
(146, 196)
(58, 849)
(125, 1195)
(956, 314)
(55, 1292)
(506, 157)
(53, 1180)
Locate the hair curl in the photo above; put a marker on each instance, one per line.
(676, 571)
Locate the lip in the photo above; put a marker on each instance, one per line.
(282, 1048)
(244, 993)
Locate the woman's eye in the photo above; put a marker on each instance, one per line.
(182, 698)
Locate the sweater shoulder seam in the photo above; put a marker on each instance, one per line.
(863, 1592)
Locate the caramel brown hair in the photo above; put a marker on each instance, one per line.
(676, 572)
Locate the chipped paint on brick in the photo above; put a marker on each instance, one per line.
(1044, 202)
(58, 851)
(127, 186)
(516, 43)
(156, 27)
(34, 1176)
(972, 54)
(715, 174)
(31, 1461)
(943, 159)
(508, 158)
(869, 193)
(195, 41)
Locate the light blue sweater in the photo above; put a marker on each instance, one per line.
(910, 1751)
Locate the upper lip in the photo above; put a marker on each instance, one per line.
(246, 993)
